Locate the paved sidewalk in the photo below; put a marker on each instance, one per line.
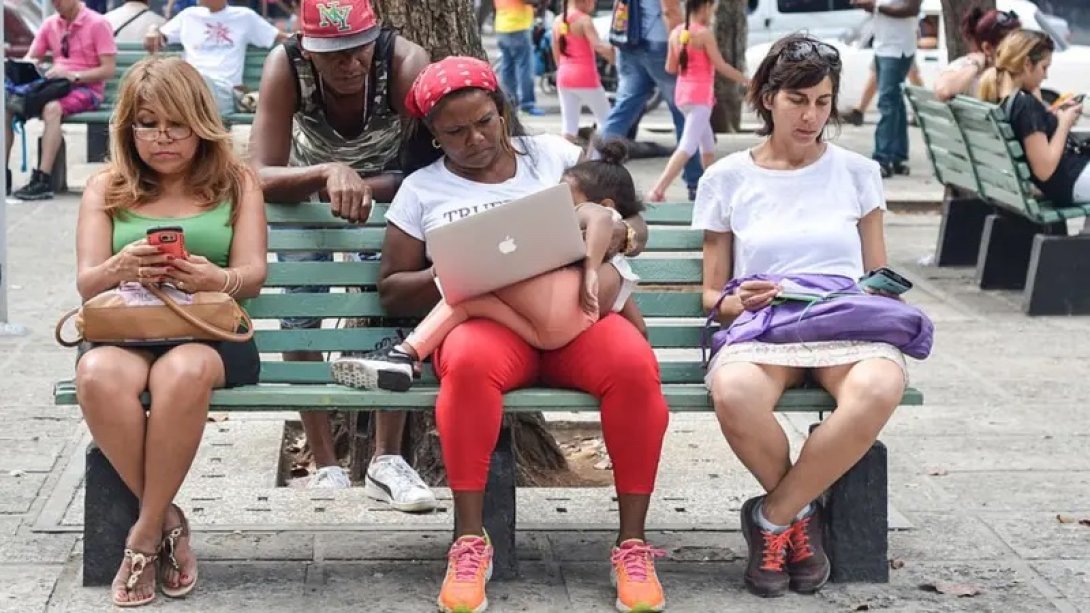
(977, 478)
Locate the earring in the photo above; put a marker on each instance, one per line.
(435, 143)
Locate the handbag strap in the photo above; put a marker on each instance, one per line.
(223, 335)
(60, 324)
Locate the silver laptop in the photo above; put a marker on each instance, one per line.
(506, 244)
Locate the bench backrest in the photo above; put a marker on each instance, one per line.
(665, 262)
(997, 156)
(131, 53)
(946, 146)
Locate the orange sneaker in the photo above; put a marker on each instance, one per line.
(638, 587)
(469, 567)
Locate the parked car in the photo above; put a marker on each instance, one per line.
(20, 26)
(1070, 64)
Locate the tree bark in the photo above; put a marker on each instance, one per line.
(730, 33)
(444, 28)
(952, 12)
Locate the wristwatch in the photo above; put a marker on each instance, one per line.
(629, 238)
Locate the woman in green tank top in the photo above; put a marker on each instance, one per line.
(172, 164)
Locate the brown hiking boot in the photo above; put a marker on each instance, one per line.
(765, 573)
(807, 563)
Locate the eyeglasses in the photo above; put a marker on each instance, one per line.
(150, 133)
(800, 50)
(64, 45)
(1004, 19)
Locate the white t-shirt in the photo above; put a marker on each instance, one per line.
(894, 36)
(791, 221)
(434, 196)
(215, 43)
(141, 19)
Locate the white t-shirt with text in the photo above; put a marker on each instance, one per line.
(434, 196)
(215, 43)
(791, 221)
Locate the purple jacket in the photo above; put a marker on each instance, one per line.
(848, 313)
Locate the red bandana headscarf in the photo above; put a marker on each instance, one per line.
(445, 76)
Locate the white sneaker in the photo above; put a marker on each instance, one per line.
(391, 479)
(330, 477)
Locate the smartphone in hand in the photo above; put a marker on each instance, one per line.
(169, 239)
(886, 281)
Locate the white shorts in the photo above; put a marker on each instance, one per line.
(572, 101)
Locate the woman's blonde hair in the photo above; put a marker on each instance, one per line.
(177, 93)
(1017, 47)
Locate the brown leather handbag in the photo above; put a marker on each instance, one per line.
(145, 314)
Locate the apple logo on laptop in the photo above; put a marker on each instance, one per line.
(507, 245)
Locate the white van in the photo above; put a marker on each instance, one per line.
(769, 20)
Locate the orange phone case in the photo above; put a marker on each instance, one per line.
(169, 240)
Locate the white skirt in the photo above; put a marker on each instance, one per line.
(805, 355)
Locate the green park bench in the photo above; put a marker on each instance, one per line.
(97, 122)
(1024, 244)
(669, 298)
(963, 210)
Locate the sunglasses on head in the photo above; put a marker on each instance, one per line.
(800, 50)
(1006, 18)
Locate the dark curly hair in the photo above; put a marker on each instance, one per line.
(607, 177)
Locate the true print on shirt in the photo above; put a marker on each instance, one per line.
(468, 211)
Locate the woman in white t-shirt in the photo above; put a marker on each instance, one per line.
(793, 205)
(484, 160)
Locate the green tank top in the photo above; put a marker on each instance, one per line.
(207, 234)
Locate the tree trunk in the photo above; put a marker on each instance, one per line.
(730, 33)
(952, 12)
(444, 28)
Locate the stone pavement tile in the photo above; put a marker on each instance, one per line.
(410, 587)
(223, 587)
(52, 365)
(944, 536)
(402, 545)
(964, 419)
(32, 455)
(1070, 577)
(254, 545)
(1041, 535)
(911, 489)
(26, 588)
(1017, 491)
(18, 493)
(38, 548)
(36, 423)
(1003, 588)
(680, 546)
(1014, 453)
(35, 391)
(9, 524)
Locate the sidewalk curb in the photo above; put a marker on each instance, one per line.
(914, 206)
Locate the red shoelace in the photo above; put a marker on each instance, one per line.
(774, 554)
(800, 541)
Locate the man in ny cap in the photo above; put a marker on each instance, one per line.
(328, 127)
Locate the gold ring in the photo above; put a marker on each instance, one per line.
(180, 285)
(140, 272)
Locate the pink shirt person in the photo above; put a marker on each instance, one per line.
(578, 69)
(695, 84)
(85, 39)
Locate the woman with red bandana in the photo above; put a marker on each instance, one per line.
(484, 159)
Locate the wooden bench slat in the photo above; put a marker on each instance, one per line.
(270, 306)
(341, 274)
(318, 215)
(263, 397)
(352, 239)
(355, 339)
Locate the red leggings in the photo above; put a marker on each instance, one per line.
(481, 359)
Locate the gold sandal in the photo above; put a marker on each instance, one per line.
(138, 563)
(170, 541)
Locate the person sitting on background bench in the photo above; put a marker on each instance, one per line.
(484, 158)
(1060, 166)
(794, 204)
(328, 126)
(172, 164)
(984, 31)
(214, 37)
(83, 50)
(132, 20)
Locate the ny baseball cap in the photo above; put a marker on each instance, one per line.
(336, 25)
